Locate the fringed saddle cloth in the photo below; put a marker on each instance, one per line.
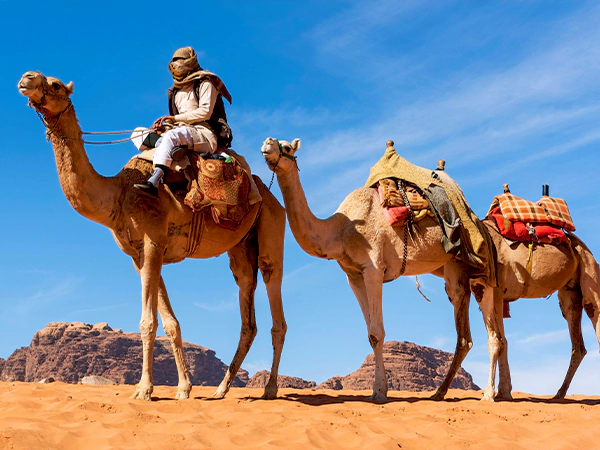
(222, 186)
(394, 206)
(521, 220)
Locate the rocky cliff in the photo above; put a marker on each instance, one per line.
(260, 379)
(409, 367)
(69, 351)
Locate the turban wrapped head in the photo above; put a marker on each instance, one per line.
(183, 63)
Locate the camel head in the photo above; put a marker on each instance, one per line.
(48, 95)
(280, 155)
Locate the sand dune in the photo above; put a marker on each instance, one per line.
(66, 416)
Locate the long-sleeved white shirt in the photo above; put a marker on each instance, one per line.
(193, 112)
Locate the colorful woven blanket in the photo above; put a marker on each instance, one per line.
(222, 186)
(547, 210)
(519, 231)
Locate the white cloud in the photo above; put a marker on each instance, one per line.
(550, 337)
(222, 306)
(47, 295)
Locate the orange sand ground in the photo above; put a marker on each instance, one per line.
(65, 416)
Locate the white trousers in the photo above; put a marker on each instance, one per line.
(182, 136)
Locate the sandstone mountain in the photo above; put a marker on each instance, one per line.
(260, 379)
(409, 367)
(69, 351)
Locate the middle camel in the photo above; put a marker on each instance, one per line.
(370, 251)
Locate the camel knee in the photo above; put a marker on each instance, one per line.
(249, 332)
(172, 329)
(148, 328)
(266, 267)
(497, 345)
(279, 329)
(376, 338)
(464, 345)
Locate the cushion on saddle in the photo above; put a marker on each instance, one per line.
(519, 210)
(558, 212)
(517, 231)
(393, 203)
(223, 186)
(548, 210)
(396, 215)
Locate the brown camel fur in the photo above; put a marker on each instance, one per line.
(371, 252)
(569, 268)
(158, 231)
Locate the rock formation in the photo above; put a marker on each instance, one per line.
(259, 380)
(70, 351)
(409, 367)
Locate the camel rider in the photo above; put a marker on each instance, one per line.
(197, 109)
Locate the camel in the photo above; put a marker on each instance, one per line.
(159, 231)
(568, 268)
(371, 252)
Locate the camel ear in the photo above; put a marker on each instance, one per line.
(296, 144)
(69, 87)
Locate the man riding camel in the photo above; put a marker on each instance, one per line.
(197, 112)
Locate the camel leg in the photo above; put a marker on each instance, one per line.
(495, 338)
(173, 332)
(368, 291)
(505, 383)
(244, 266)
(572, 309)
(270, 233)
(150, 264)
(459, 294)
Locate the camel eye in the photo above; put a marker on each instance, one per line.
(55, 86)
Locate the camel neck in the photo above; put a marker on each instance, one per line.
(90, 194)
(312, 234)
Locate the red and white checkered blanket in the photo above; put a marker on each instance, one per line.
(547, 210)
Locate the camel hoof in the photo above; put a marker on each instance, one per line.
(219, 394)
(183, 391)
(378, 397)
(269, 394)
(559, 396)
(503, 397)
(142, 394)
(488, 398)
(438, 396)
(182, 395)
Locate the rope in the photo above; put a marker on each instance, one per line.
(108, 132)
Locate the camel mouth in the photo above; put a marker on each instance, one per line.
(24, 88)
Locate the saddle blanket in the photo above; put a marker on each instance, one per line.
(547, 210)
(221, 185)
(518, 231)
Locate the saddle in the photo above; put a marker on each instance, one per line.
(518, 219)
(209, 182)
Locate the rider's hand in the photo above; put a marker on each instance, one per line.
(158, 123)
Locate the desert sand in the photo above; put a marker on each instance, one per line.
(67, 416)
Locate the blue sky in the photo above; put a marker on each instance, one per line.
(505, 92)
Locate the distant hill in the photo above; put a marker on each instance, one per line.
(409, 367)
(69, 351)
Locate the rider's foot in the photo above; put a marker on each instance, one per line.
(147, 188)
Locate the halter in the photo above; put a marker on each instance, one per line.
(39, 107)
(285, 155)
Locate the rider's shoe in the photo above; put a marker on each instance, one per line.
(147, 188)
